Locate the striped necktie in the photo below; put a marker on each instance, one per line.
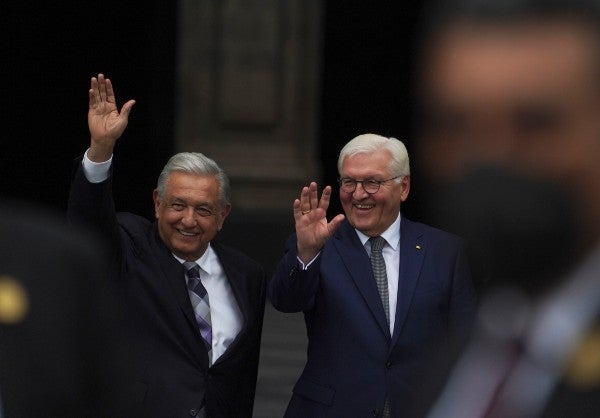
(380, 273)
(378, 265)
(199, 299)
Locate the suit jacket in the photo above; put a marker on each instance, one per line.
(58, 357)
(173, 377)
(352, 360)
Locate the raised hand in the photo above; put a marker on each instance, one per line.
(105, 122)
(310, 215)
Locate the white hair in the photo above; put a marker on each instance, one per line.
(369, 143)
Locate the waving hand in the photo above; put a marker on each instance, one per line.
(105, 122)
(310, 215)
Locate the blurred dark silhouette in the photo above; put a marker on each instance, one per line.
(514, 84)
(532, 352)
(515, 227)
(509, 140)
(60, 347)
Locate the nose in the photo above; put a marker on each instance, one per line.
(189, 217)
(359, 192)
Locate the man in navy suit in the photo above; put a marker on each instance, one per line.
(180, 370)
(362, 356)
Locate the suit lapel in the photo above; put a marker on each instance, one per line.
(356, 260)
(412, 254)
(173, 274)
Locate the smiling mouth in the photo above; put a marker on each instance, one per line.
(187, 234)
(363, 206)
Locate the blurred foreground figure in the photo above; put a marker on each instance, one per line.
(59, 343)
(510, 98)
(514, 83)
(534, 351)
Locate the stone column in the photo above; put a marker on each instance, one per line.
(248, 94)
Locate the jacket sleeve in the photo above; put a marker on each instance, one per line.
(292, 289)
(91, 205)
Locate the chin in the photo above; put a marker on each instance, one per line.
(365, 229)
(362, 222)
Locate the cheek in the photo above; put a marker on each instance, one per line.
(167, 218)
(346, 206)
(345, 198)
(388, 206)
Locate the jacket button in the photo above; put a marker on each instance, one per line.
(388, 365)
(375, 412)
(193, 412)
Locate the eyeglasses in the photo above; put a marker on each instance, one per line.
(370, 186)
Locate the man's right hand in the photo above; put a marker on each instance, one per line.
(310, 216)
(105, 122)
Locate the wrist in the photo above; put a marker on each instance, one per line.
(306, 255)
(98, 154)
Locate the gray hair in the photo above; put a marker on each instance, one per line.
(369, 143)
(195, 163)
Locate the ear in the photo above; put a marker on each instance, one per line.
(405, 188)
(156, 203)
(224, 214)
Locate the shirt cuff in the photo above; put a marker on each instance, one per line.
(307, 265)
(95, 172)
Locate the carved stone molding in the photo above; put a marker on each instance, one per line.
(248, 84)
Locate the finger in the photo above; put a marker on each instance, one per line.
(304, 198)
(297, 210)
(335, 223)
(110, 93)
(126, 109)
(93, 92)
(102, 87)
(313, 197)
(325, 198)
(92, 98)
(307, 195)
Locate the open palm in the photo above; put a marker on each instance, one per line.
(105, 122)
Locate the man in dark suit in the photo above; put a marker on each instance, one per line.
(366, 336)
(195, 348)
(59, 339)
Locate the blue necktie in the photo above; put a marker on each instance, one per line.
(199, 299)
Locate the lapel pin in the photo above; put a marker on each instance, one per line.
(418, 247)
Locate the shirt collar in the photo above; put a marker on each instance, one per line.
(391, 235)
(206, 261)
